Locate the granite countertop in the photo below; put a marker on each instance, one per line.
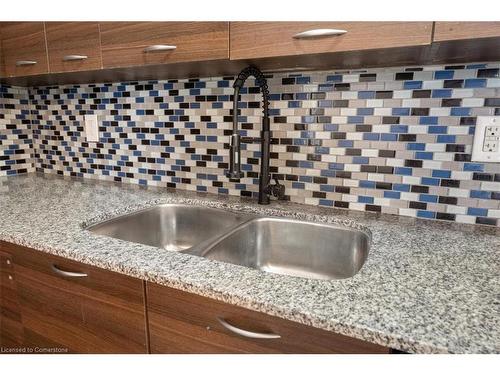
(426, 287)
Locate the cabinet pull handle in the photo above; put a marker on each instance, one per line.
(60, 272)
(319, 32)
(74, 57)
(245, 333)
(159, 48)
(25, 62)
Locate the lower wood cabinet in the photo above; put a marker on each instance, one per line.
(181, 322)
(11, 327)
(50, 304)
(66, 306)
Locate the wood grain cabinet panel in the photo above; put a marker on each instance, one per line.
(102, 312)
(181, 322)
(73, 46)
(125, 43)
(24, 48)
(444, 31)
(11, 329)
(270, 39)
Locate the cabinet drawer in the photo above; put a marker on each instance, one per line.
(143, 43)
(24, 48)
(269, 39)
(73, 46)
(181, 322)
(98, 282)
(465, 30)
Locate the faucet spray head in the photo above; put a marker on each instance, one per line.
(234, 172)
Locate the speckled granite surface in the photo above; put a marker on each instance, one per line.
(427, 287)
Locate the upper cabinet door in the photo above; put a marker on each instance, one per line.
(24, 48)
(269, 39)
(73, 46)
(143, 43)
(465, 30)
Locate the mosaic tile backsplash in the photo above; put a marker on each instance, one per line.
(393, 140)
(16, 139)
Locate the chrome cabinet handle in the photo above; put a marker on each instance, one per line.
(319, 32)
(245, 333)
(67, 273)
(159, 47)
(74, 57)
(25, 62)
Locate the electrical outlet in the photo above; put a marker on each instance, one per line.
(487, 139)
(91, 128)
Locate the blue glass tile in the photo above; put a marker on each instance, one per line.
(441, 93)
(424, 155)
(399, 129)
(412, 85)
(366, 94)
(440, 173)
(305, 164)
(415, 146)
(446, 138)
(303, 80)
(364, 111)
(365, 199)
(401, 111)
(480, 194)
(428, 198)
(223, 84)
(334, 78)
(392, 194)
(367, 184)
(388, 137)
(426, 214)
(473, 167)
(327, 173)
(475, 83)
(474, 211)
(327, 188)
(331, 127)
(360, 160)
(460, 111)
(294, 104)
(298, 185)
(345, 143)
(371, 136)
(444, 74)
(336, 166)
(194, 92)
(437, 130)
(355, 119)
(403, 171)
(306, 178)
(302, 96)
(428, 120)
(325, 103)
(325, 202)
(476, 66)
(430, 181)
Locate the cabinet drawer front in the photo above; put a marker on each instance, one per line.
(24, 48)
(465, 30)
(269, 39)
(99, 283)
(181, 322)
(73, 46)
(143, 43)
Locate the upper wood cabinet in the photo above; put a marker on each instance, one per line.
(465, 30)
(24, 48)
(269, 39)
(143, 43)
(73, 46)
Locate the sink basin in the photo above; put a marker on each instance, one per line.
(174, 227)
(291, 247)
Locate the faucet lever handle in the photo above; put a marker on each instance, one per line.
(277, 189)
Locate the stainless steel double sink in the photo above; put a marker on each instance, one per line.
(277, 245)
